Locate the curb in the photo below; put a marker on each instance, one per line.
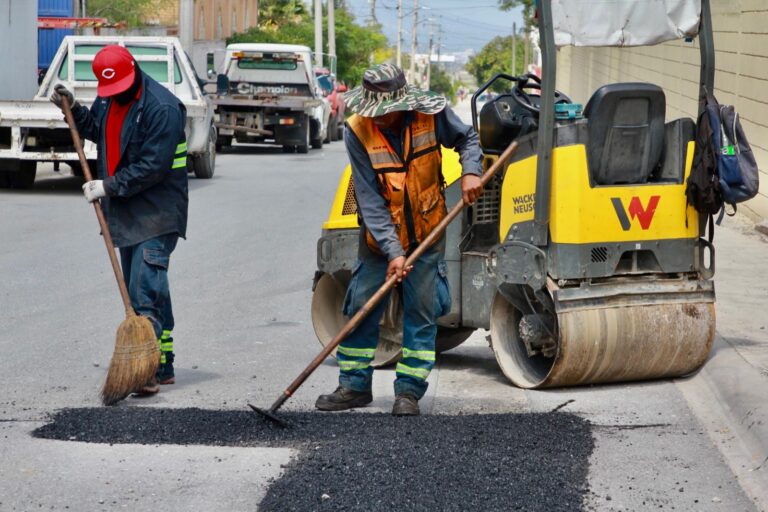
(729, 396)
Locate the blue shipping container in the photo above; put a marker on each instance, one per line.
(48, 42)
(55, 8)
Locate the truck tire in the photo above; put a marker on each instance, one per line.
(77, 169)
(340, 130)
(223, 143)
(205, 163)
(304, 148)
(18, 174)
(334, 129)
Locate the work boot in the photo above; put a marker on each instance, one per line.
(165, 373)
(342, 399)
(149, 389)
(405, 405)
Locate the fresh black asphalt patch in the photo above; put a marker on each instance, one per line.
(371, 462)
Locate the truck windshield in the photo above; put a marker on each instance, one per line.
(266, 63)
(157, 69)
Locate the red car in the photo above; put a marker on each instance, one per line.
(333, 91)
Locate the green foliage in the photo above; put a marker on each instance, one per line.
(440, 81)
(131, 12)
(528, 8)
(496, 57)
(288, 22)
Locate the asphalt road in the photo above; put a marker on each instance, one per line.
(241, 285)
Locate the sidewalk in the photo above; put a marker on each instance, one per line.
(730, 393)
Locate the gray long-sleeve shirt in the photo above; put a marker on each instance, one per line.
(451, 133)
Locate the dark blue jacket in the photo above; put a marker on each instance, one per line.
(147, 197)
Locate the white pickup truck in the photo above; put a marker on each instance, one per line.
(34, 131)
(269, 92)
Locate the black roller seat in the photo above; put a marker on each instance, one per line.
(626, 132)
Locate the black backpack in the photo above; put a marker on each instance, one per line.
(724, 168)
(703, 185)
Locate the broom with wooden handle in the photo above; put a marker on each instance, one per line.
(137, 355)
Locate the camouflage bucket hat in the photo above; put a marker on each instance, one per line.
(385, 90)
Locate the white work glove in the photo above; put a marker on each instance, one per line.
(62, 92)
(94, 190)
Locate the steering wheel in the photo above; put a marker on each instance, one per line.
(524, 99)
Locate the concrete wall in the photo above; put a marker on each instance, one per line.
(741, 44)
(18, 41)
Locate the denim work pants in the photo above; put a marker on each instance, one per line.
(145, 268)
(425, 298)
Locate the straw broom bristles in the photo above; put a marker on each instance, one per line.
(134, 361)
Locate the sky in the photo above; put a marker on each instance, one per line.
(466, 24)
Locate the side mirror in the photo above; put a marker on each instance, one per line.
(342, 88)
(222, 85)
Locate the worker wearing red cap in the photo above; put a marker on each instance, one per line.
(138, 126)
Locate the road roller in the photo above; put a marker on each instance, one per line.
(582, 258)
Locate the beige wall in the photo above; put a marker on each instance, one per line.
(741, 44)
(214, 19)
(219, 19)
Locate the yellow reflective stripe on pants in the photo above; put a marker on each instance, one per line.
(165, 335)
(424, 355)
(181, 148)
(166, 346)
(179, 162)
(353, 365)
(419, 373)
(357, 352)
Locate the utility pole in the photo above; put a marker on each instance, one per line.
(332, 35)
(374, 21)
(319, 33)
(514, 49)
(186, 24)
(412, 70)
(399, 33)
(525, 56)
(429, 58)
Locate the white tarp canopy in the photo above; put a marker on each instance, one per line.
(623, 22)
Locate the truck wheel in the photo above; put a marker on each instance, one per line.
(304, 148)
(204, 164)
(77, 169)
(224, 143)
(19, 174)
(340, 130)
(334, 129)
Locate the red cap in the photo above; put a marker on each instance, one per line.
(115, 69)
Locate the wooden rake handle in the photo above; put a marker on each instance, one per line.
(389, 283)
(65, 107)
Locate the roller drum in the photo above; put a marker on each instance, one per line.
(608, 344)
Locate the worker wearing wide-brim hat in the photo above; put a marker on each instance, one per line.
(393, 141)
(138, 127)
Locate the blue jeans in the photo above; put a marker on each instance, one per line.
(425, 298)
(145, 269)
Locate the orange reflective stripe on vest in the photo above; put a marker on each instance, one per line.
(416, 176)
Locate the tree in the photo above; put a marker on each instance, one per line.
(441, 82)
(288, 22)
(528, 9)
(131, 12)
(496, 57)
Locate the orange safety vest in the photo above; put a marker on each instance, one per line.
(416, 176)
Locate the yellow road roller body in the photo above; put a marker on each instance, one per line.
(582, 258)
